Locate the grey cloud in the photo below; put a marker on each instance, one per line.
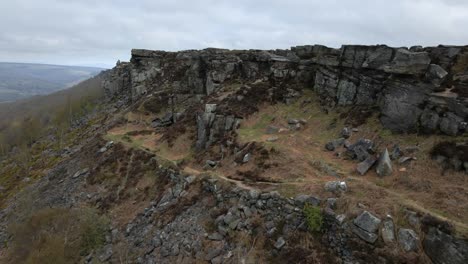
(92, 32)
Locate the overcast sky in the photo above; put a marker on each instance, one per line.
(99, 32)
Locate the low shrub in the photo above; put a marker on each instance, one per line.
(57, 234)
(314, 218)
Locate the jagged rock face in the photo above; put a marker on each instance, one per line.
(408, 86)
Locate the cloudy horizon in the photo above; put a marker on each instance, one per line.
(86, 32)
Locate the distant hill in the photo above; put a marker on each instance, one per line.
(22, 80)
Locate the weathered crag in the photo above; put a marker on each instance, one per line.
(416, 90)
(163, 212)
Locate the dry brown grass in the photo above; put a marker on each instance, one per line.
(58, 235)
(300, 164)
(419, 186)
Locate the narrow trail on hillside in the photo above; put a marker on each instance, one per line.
(459, 226)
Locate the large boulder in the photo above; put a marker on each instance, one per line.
(384, 167)
(443, 248)
(367, 222)
(361, 150)
(408, 239)
(365, 226)
(400, 105)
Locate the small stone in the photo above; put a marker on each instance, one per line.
(396, 152)
(215, 236)
(384, 167)
(246, 158)
(272, 130)
(332, 145)
(331, 203)
(340, 219)
(413, 218)
(272, 139)
(336, 186)
(347, 144)
(102, 150)
(280, 243)
(346, 133)
(80, 173)
(388, 230)
(403, 160)
(293, 121)
(254, 194)
(211, 163)
(408, 239)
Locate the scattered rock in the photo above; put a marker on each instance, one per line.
(367, 222)
(413, 218)
(167, 120)
(280, 242)
(403, 160)
(246, 158)
(106, 147)
(364, 235)
(80, 173)
(332, 145)
(388, 230)
(215, 236)
(384, 166)
(105, 253)
(408, 239)
(331, 203)
(211, 163)
(396, 152)
(346, 133)
(360, 150)
(272, 139)
(336, 186)
(294, 121)
(365, 165)
(340, 219)
(302, 199)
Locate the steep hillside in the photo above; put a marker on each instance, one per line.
(22, 80)
(307, 155)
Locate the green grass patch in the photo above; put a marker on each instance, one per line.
(314, 218)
